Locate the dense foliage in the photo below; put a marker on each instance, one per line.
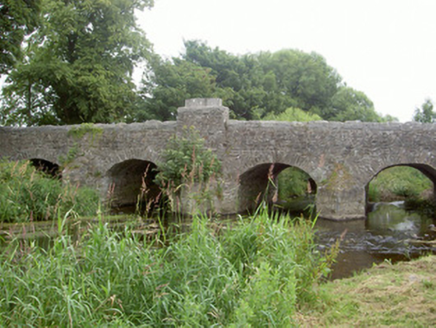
(168, 85)
(29, 195)
(426, 113)
(352, 105)
(256, 274)
(18, 18)
(292, 115)
(398, 183)
(78, 65)
(253, 86)
(292, 182)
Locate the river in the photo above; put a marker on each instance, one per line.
(389, 233)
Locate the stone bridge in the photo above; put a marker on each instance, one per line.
(341, 158)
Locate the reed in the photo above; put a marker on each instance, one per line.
(257, 273)
(27, 194)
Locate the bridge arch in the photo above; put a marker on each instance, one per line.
(50, 168)
(260, 183)
(425, 169)
(131, 183)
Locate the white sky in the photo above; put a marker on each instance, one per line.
(385, 48)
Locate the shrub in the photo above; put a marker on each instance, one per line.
(187, 160)
(189, 168)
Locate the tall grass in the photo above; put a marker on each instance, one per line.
(256, 274)
(27, 194)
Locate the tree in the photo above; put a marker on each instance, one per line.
(17, 19)
(301, 80)
(253, 86)
(167, 86)
(240, 79)
(349, 104)
(293, 115)
(79, 64)
(425, 114)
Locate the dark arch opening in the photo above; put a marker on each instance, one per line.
(132, 187)
(401, 182)
(402, 209)
(49, 168)
(280, 185)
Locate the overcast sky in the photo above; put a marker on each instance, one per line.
(385, 48)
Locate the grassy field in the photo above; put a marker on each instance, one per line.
(400, 295)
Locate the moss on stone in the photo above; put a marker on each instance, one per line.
(78, 132)
(339, 178)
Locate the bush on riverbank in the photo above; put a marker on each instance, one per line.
(398, 183)
(292, 182)
(258, 273)
(27, 194)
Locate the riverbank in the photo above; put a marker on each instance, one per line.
(259, 273)
(400, 295)
(114, 273)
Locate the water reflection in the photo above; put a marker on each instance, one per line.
(390, 232)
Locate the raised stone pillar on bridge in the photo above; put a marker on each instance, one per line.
(209, 117)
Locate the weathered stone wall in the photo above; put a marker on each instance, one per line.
(47, 142)
(341, 158)
(94, 157)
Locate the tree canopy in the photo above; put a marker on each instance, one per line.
(425, 114)
(349, 104)
(18, 18)
(169, 84)
(253, 86)
(78, 65)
